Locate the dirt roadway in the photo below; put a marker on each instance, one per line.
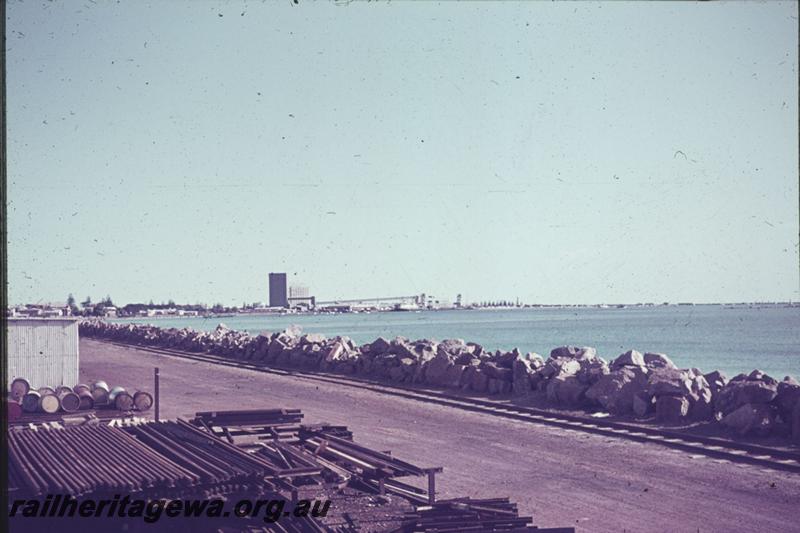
(561, 477)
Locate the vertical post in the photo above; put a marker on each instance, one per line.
(431, 487)
(382, 487)
(155, 393)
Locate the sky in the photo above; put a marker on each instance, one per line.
(553, 152)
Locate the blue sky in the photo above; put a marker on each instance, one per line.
(555, 152)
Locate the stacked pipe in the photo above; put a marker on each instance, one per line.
(51, 400)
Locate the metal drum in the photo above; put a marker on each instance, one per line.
(87, 400)
(77, 389)
(14, 410)
(62, 388)
(119, 398)
(19, 388)
(44, 391)
(49, 403)
(100, 393)
(142, 400)
(30, 402)
(69, 401)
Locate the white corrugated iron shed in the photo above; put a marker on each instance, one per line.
(43, 350)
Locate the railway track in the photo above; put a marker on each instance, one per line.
(723, 449)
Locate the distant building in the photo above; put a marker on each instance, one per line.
(298, 297)
(278, 296)
(297, 292)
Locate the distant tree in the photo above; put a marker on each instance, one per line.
(151, 304)
(87, 302)
(171, 303)
(73, 309)
(218, 308)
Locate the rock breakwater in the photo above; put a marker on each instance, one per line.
(642, 385)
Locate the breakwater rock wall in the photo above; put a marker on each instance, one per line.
(642, 385)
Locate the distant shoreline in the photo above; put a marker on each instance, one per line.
(611, 307)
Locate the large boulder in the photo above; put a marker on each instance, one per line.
(561, 365)
(312, 338)
(436, 369)
(642, 404)
(591, 370)
(658, 360)
(379, 346)
(758, 375)
(795, 423)
(567, 391)
(535, 360)
(276, 347)
(453, 347)
(506, 360)
(453, 376)
(668, 381)
(499, 386)
(788, 396)
(397, 374)
(475, 349)
(756, 418)
(615, 391)
(573, 352)
(716, 380)
(425, 350)
(521, 381)
(495, 371)
(701, 400)
(478, 380)
(671, 409)
(629, 358)
(739, 392)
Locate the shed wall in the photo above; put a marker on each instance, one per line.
(43, 351)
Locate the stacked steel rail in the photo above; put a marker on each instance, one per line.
(468, 515)
(85, 460)
(177, 459)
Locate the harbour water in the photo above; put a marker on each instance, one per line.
(710, 337)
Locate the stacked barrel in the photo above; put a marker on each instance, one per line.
(22, 398)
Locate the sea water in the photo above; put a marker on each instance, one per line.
(733, 339)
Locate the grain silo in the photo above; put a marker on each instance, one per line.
(44, 351)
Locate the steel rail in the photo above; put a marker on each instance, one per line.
(774, 458)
